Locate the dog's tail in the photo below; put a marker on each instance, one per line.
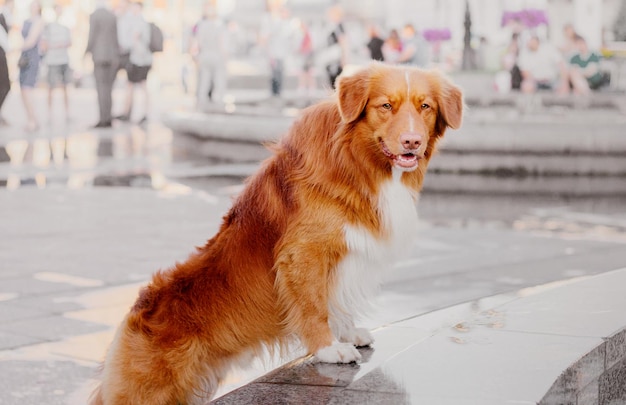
(137, 371)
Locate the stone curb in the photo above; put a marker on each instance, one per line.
(495, 350)
(520, 147)
(599, 377)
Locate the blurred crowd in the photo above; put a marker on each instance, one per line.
(527, 60)
(121, 46)
(41, 42)
(319, 48)
(119, 40)
(532, 63)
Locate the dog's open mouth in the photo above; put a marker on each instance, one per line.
(406, 160)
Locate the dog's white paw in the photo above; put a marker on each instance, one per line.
(338, 353)
(360, 337)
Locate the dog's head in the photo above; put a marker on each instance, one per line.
(401, 111)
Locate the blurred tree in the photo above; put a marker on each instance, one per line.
(620, 24)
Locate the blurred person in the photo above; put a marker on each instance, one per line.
(392, 48)
(104, 49)
(481, 53)
(6, 12)
(337, 42)
(584, 68)
(140, 62)
(276, 36)
(414, 48)
(510, 62)
(518, 30)
(55, 42)
(29, 62)
(306, 79)
(124, 34)
(568, 48)
(375, 44)
(513, 38)
(210, 47)
(187, 42)
(542, 67)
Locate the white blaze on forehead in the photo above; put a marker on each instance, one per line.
(408, 84)
(408, 99)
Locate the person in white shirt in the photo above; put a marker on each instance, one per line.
(542, 68)
(55, 42)
(124, 33)
(140, 61)
(276, 36)
(210, 49)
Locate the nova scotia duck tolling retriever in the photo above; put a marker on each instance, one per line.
(301, 251)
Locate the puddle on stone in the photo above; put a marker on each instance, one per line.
(143, 180)
(8, 296)
(124, 157)
(526, 292)
(67, 279)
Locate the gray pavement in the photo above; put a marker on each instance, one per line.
(88, 215)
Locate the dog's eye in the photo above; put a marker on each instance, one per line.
(425, 106)
(387, 106)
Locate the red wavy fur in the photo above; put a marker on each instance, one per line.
(269, 272)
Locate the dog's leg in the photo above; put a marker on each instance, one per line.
(359, 337)
(303, 283)
(342, 325)
(338, 352)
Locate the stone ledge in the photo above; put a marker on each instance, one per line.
(599, 377)
(543, 146)
(228, 127)
(501, 349)
(515, 135)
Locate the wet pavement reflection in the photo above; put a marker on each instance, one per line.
(131, 156)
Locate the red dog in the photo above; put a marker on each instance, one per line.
(300, 252)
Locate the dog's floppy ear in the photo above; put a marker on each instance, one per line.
(451, 104)
(353, 92)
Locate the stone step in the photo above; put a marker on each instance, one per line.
(519, 148)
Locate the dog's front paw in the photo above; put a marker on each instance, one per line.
(360, 337)
(338, 353)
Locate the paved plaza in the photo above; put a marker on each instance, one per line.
(499, 295)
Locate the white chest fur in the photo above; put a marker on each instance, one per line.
(370, 256)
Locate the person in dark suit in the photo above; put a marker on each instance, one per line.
(104, 49)
(5, 81)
